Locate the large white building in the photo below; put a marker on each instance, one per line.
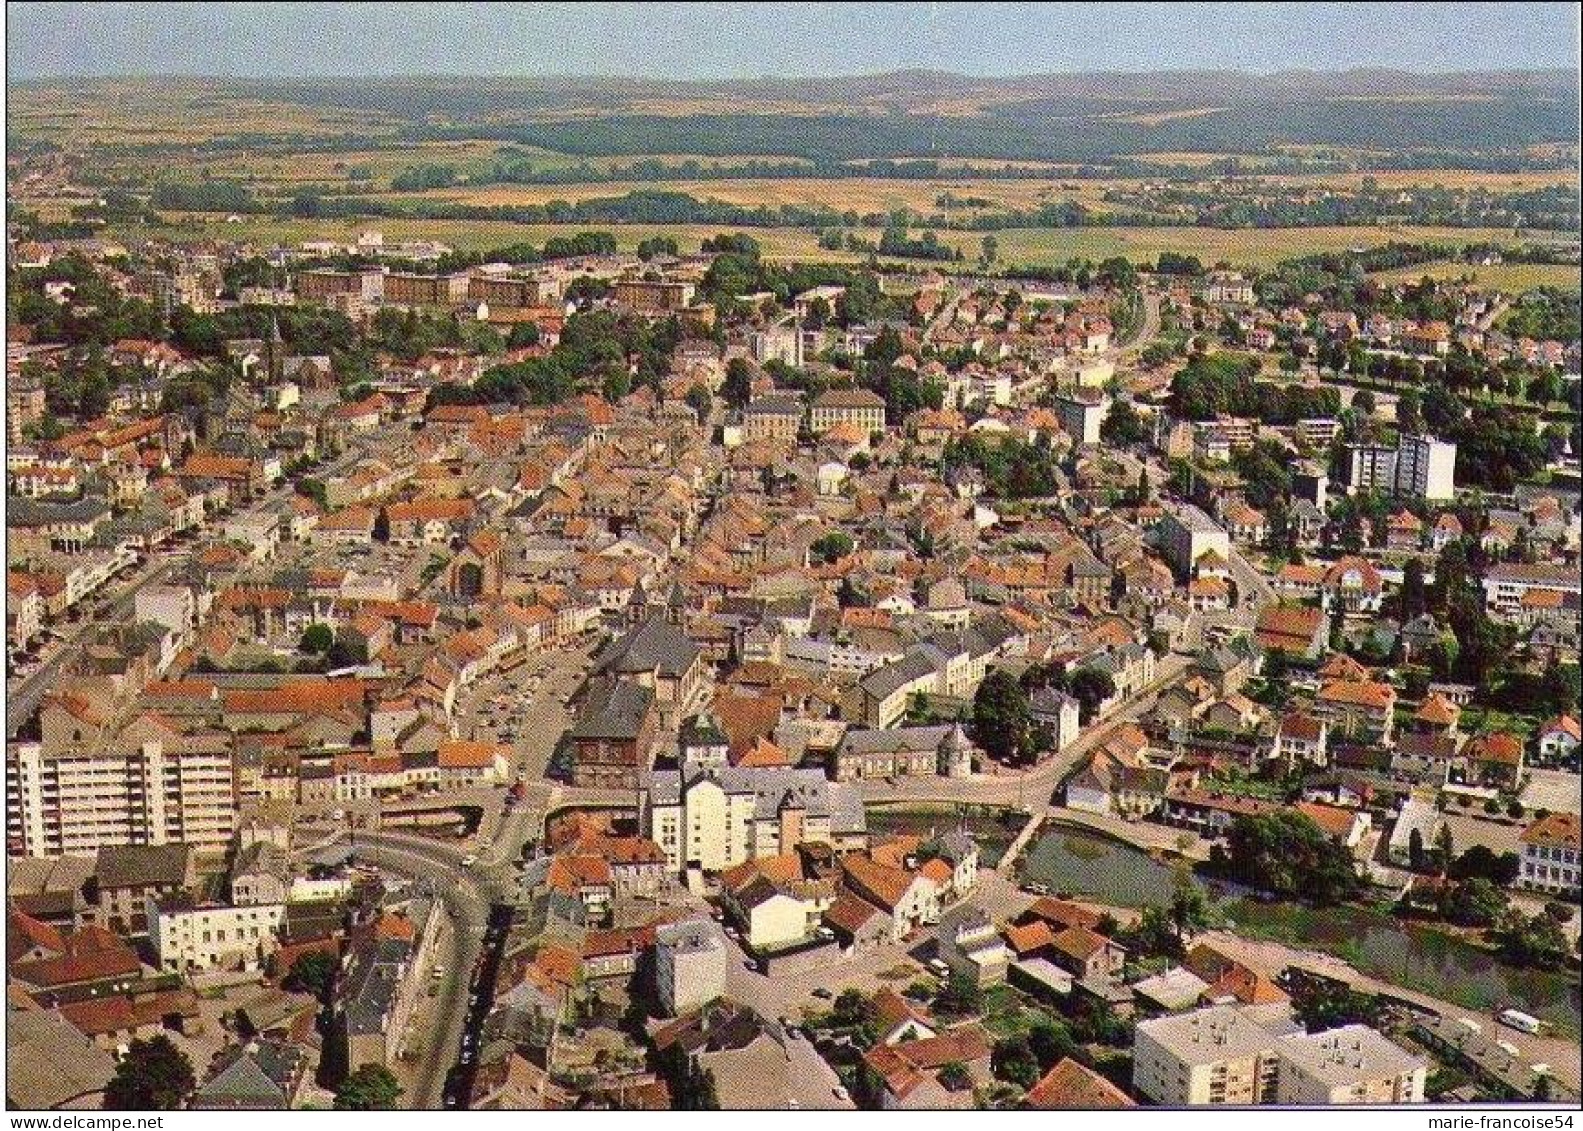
(1236, 1056)
(1187, 534)
(1421, 466)
(690, 961)
(1081, 412)
(713, 818)
(76, 800)
(1350, 1065)
(1551, 854)
(196, 937)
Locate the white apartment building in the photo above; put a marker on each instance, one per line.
(1235, 1056)
(1551, 854)
(716, 818)
(76, 800)
(1081, 412)
(1421, 466)
(1187, 534)
(1216, 1056)
(195, 937)
(1349, 1065)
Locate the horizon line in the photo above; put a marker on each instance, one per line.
(629, 79)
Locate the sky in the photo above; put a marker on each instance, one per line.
(717, 41)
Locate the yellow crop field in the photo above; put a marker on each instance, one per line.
(861, 194)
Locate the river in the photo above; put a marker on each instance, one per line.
(1086, 864)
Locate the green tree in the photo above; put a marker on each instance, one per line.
(954, 1076)
(317, 639)
(1189, 910)
(851, 1009)
(1012, 1060)
(1122, 425)
(1287, 854)
(1002, 720)
(737, 388)
(1090, 687)
(1321, 1005)
(1050, 1041)
(959, 997)
(1472, 903)
(370, 1088)
(153, 1075)
(1415, 594)
(831, 547)
(312, 973)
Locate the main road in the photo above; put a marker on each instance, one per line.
(467, 900)
(1033, 788)
(22, 697)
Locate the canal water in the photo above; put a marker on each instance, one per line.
(1086, 864)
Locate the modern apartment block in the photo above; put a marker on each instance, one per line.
(1227, 1055)
(1420, 466)
(73, 801)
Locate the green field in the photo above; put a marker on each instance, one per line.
(1023, 246)
(1514, 277)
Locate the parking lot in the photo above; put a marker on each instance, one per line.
(527, 708)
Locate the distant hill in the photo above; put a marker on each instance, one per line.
(1057, 118)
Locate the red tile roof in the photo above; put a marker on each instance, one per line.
(1069, 1086)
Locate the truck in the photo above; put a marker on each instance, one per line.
(1517, 1019)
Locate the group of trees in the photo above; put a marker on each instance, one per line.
(1003, 723)
(91, 313)
(1013, 468)
(599, 351)
(1287, 854)
(1223, 384)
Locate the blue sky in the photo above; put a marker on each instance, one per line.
(704, 41)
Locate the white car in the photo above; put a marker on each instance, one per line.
(469, 860)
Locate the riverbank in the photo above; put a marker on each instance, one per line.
(1094, 865)
(994, 827)
(1268, 957)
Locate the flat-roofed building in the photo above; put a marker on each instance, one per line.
(1211, 1056)
(1350, 1065)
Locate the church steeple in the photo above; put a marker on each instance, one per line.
(274, 352)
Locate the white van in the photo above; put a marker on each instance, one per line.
(1517, 1019)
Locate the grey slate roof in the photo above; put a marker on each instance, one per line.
(140, 865)
(24, 512)
(655, 645)
(773, 789)
(615, 713)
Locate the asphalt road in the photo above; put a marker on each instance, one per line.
(22, 699)
(1031, 789)
(468, 902)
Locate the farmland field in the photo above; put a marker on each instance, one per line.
(1505, 276)
(1255, 247)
